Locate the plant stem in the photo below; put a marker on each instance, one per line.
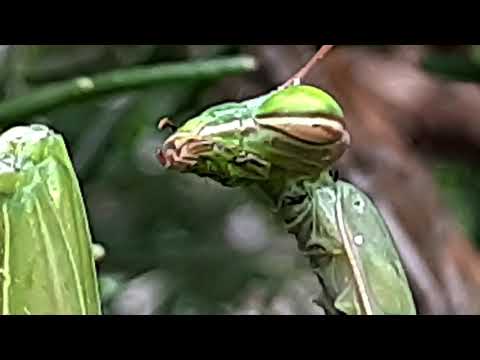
(61, 93)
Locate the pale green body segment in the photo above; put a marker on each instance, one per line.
(286, 142)
(309, 99)
(46, 259)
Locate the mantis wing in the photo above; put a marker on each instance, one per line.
(379, 276)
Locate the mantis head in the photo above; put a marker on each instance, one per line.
(293, 132)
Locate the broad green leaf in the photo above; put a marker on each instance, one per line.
(46, 259)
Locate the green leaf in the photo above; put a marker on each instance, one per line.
(46, 258)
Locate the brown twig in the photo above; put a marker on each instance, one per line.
(298, 77)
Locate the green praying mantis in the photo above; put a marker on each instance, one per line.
(286, 142)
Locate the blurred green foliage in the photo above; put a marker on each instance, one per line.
(455, 65)
(460, 189)
(459, 181)
(177, 244)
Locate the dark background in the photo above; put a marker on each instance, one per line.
(178, 244)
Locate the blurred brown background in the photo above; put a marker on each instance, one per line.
(177, 244)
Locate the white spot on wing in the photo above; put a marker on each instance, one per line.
(358, 240)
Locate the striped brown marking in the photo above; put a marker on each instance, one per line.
(182, 153)
(315, 135)
(288, 153)
(307, 134)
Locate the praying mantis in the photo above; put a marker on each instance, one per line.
(286, 143)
